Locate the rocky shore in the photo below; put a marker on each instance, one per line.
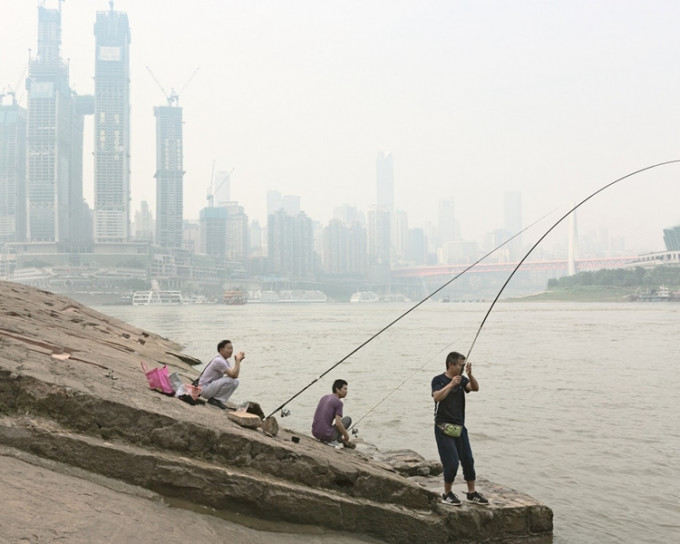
(75, 407)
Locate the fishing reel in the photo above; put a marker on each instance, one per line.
(285, 412)
(354, 431)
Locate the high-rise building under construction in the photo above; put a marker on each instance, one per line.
(12, 172)
(48, 135)
(169, 175)
(112, 128)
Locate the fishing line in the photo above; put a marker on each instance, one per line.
(283, 414)
(550, 230)
(353, 427)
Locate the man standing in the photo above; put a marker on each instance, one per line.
(329, 426)
(448, 392)
(219, 380)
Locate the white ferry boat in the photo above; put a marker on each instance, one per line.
(147, 298)
(364, 296)
(662, 294)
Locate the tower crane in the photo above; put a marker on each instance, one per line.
(11, 91)
(173, 96)
(59, 3)
(212, 191)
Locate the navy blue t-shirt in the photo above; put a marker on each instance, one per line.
(452, 408)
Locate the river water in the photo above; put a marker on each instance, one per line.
(578, 402)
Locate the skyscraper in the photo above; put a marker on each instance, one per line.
(671, 238)
(399, 236)
(380, 221)
(144, 224)
(112, 127)
(379, 239)
(417, 246)
(448, 226)
(344, 249)
(12, 173)
(49, 136)
(236, 232)
(274, 202)
(169, 176)
(213, 223)
(291, 248)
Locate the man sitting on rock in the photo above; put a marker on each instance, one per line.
(219, 380)
(329, 426)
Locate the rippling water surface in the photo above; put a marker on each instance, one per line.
(578, 403)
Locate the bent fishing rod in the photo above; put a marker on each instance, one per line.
(567, 214)
(353, 427)
(403, 315)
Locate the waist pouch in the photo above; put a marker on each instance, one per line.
(450, 429)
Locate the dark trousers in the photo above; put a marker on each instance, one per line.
(453, 451)
(346, 422)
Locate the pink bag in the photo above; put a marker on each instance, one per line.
(158, 379)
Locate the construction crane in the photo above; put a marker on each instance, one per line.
(11, 90)
(212, 191)
(59, 3)
(173, 96)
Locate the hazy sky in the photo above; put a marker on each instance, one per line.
(473, 98)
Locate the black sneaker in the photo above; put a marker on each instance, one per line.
(477, 498)
(218, 403)
(450, 498)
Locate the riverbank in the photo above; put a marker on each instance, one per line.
(72, 392)
(81, 507)
(579, 294)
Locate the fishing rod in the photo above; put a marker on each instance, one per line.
(285, 413)
(631, 174)
(353, 426)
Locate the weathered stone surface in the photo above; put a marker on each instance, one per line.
(93, 410)
(407, 462)
(244, 419)
(77, 507)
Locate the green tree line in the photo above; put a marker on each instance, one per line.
(621, 277)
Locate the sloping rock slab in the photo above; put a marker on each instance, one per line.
(93, 410)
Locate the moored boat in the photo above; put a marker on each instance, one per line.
(662, 294)
(153, 297)
(364, 296)
(235, 297)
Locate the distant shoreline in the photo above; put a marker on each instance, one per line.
(581, 294)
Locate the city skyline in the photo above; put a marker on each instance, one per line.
(468, 108)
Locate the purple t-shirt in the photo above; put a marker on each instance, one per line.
(324, 418)
(215, 370)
